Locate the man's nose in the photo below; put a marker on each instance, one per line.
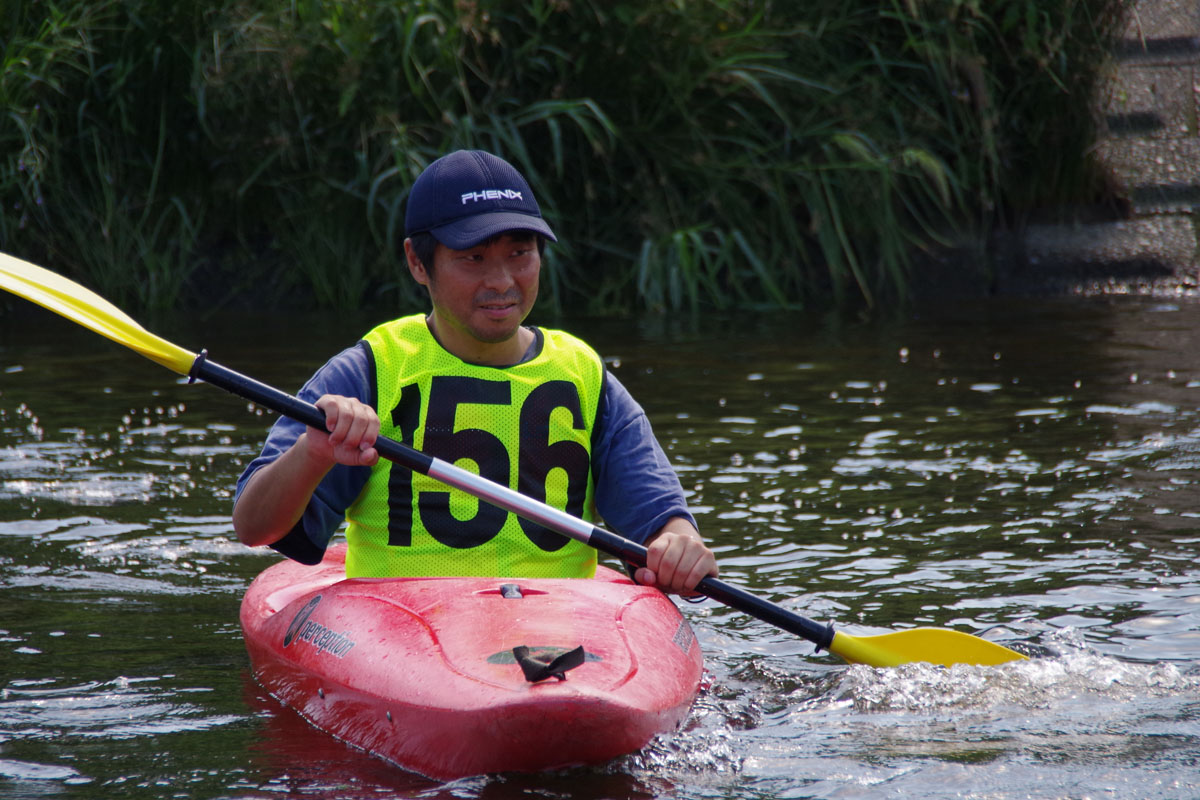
(497, 275)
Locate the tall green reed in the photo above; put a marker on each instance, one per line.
(41, 59)
(91, 94)
(705, 154)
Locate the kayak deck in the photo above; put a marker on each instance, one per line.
(420, 671)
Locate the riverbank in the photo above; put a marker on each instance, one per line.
(1145, 238)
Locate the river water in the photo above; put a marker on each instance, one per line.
(1028, 471)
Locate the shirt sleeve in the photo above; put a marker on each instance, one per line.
(637, 490)
(348, 374)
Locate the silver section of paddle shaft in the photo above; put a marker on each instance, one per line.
(619, 546)
(504, 497)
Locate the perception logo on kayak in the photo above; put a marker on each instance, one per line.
(684, 637)
(306, 630)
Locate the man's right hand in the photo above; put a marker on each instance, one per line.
(274, 498)
(351, 429)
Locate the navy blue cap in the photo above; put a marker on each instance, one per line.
(468, 196)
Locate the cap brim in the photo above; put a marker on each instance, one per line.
(470, 231)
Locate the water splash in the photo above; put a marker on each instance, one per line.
(1075, 676)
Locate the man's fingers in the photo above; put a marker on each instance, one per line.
(332, 407)
(357, 428)
(369, 458)
(351, 430)
(676, 563)
(663, 561)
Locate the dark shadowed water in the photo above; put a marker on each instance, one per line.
(1027, 471)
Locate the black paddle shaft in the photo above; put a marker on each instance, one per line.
(294, 408)
(507, 499)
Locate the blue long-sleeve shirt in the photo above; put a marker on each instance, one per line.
(637, 491)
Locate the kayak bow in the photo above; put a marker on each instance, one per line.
(422, 671)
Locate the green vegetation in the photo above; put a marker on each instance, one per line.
(691, 153)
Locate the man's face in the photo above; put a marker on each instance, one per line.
(482, 295)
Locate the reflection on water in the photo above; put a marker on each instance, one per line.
(1022, 471)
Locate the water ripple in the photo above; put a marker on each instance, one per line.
(119, 708)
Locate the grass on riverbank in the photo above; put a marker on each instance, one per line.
(701, 154)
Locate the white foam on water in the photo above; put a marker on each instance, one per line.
(33, 771)
(1072, 676)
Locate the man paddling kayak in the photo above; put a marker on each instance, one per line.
(530, 408)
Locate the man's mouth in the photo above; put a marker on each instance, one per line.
(498, 305)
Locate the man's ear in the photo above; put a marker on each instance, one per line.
(415, 267)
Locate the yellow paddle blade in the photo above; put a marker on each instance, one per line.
(933, 645)
(69, 299)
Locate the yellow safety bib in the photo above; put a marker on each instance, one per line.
(528, 427)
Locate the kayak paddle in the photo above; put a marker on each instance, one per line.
(81, 305)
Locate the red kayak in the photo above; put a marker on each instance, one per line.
(451, 677)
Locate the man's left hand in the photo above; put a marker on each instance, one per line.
(677, 559)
